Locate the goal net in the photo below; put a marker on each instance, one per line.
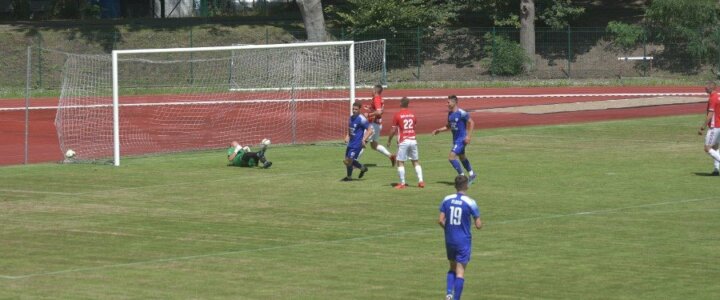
(170, 100)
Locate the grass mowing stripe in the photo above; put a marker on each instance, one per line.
(192, 257)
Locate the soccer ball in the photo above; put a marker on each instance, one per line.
(265, 142)
(70, 153)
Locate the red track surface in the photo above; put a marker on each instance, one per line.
(44, 146)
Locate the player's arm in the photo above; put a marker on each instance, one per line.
(392, 134)
(368, 132)
(708, 117)
(235, 153)
(441, 220)
(478, 223)
(441, 129)
(347, 137)
(470, 127)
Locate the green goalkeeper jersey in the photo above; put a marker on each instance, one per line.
(238, 160)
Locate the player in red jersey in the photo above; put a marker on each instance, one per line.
(375, 117)
(712, 121)
(404, 123)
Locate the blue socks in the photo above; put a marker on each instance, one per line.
(450, 282)
(466, 164)
(357, 164)
(349, 171)
(456, 164)
(459, 282)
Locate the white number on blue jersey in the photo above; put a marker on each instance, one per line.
(455, 215)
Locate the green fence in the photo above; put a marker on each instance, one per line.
(418, 54)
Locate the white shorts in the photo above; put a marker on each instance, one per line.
(375, 137)
(408, 150)
(712, 137)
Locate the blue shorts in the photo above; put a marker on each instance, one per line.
(459, 254)
(458, 147)
(352, 152)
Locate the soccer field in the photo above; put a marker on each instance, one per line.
(609, 210)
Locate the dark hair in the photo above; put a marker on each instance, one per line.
(453, 98)
(357, 104)
(461, 183)
(404, 102)
(378, 88)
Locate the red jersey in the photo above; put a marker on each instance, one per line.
(714, 106)
(377, 104)
(405, 122)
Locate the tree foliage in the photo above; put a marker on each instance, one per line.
(504, 57)
(361, 16)
(686, 27)
(625, 37)
(552, 13)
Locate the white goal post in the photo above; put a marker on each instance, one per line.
(146, 101)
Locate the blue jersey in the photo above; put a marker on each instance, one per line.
(460, 212)
(457, 121)
(356, 129)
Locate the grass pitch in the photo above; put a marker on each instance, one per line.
(612, 210)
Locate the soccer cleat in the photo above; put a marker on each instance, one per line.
(715, 173)
(267, 164)
(346, 179)
(362, 172)
(400, 186)
(449, 297)
(393, 159)
(421, 184)
(472, 178)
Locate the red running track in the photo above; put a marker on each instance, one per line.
(429, 106)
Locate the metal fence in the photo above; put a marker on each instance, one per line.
(453, 54)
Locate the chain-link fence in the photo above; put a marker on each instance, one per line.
(419, 54)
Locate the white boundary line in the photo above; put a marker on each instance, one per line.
(225, 253)
(364, 98)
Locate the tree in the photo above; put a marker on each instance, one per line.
(527, 31)
(688, 30)
(312, 14)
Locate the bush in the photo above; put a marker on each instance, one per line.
(504, 57)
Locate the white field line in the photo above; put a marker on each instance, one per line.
(359, 98)
(370, 237)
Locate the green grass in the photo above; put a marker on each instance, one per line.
(612, 210)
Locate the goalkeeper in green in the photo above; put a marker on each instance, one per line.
(240, 156)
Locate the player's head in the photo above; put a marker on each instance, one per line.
(356, 108)
(461, 183)
(404, 102)
(452, 102)
(234, 144)
(710, 86)
(377, 89)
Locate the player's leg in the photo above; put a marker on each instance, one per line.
(450, 280)
(375, 138)
(401, 158)
(452, 157)
(716, 163)
(462, 258)
(414, 156)
(712, 137)
(350, 155)
(466, 163)
(459, 281)
(451, 253)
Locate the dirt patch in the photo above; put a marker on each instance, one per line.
(594, 105)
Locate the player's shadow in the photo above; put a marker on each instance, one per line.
(370, 165)
(704, 174)
(446, 182)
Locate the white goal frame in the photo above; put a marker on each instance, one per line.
(115, 78)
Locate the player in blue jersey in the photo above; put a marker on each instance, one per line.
(461, 125)
(359, 130)
(457, 211)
